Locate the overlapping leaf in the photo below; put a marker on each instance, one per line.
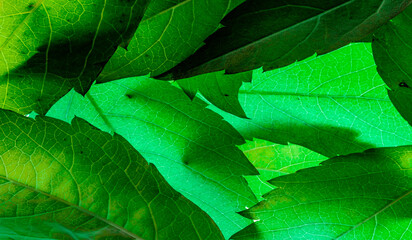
(220, 89)
(170, 32)
(274, 160)
(332, 104)
(74, 181)
(47, 47)
(392, 50)
(274, 34)
(190, 145)
(359, 196)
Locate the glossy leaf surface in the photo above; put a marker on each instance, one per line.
(193, 148)
(97, 175)
(48, 47)
(274, 34)
(332, 104)
(359, 196)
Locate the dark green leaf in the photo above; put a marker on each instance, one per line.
(392, 50)
(190, 145)
(274, 34)
(359, 196)
(170, 32)
(332, 104)
(218, 88)
(48, 47)
(50, 168)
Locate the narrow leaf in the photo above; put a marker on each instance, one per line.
(170, 32)
(190, 145)
(49, 166)
(220, 89)
(392, 50)
(274, 34)
(359, 196)
(333, 104)
(48, 47)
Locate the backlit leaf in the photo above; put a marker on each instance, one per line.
(47, 47)
(359, 196)
(274, 34)
(59, 181)
(332, 104)
(170, 32)
(190, 145)
(220, 89)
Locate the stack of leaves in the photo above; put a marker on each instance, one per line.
(283, 119)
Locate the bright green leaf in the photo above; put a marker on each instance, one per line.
(48, 47)
(190, 145)
(170, 32)
(218, 88)
(392, 50)
(274, 34)
(332, 104)
(274, 160)
(359, 196)
(50, 168)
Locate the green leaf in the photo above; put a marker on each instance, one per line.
(190, 145)
(359, 196)
(170, 32)
(50, 168)
(392, 50)
(48, 47)
(274, 34)
(218, 88)
(332, 104)
(274, 160)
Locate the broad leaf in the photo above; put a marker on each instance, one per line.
(190, 145)
(170, 32)
(48, 47)
(220, 89)
(332, 104)
(392, 50)
(359, 196)
(50, 168)
(274, 34)
(274, 160)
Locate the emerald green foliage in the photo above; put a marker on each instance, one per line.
(220, 89)
(48, 47)
(274, 34)
(92, 147)
(188, 143)
(51, 170)
(359, 196)
(332, 104)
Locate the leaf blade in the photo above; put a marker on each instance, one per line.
(276, 34)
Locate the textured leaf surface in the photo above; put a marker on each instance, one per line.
(274, 160)
(190, 145)
(392, 50)
(274, 34)
(359, 196)
(96, 175)
(47, 47)
(170, 32)
(220, 89)
(332, 104)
